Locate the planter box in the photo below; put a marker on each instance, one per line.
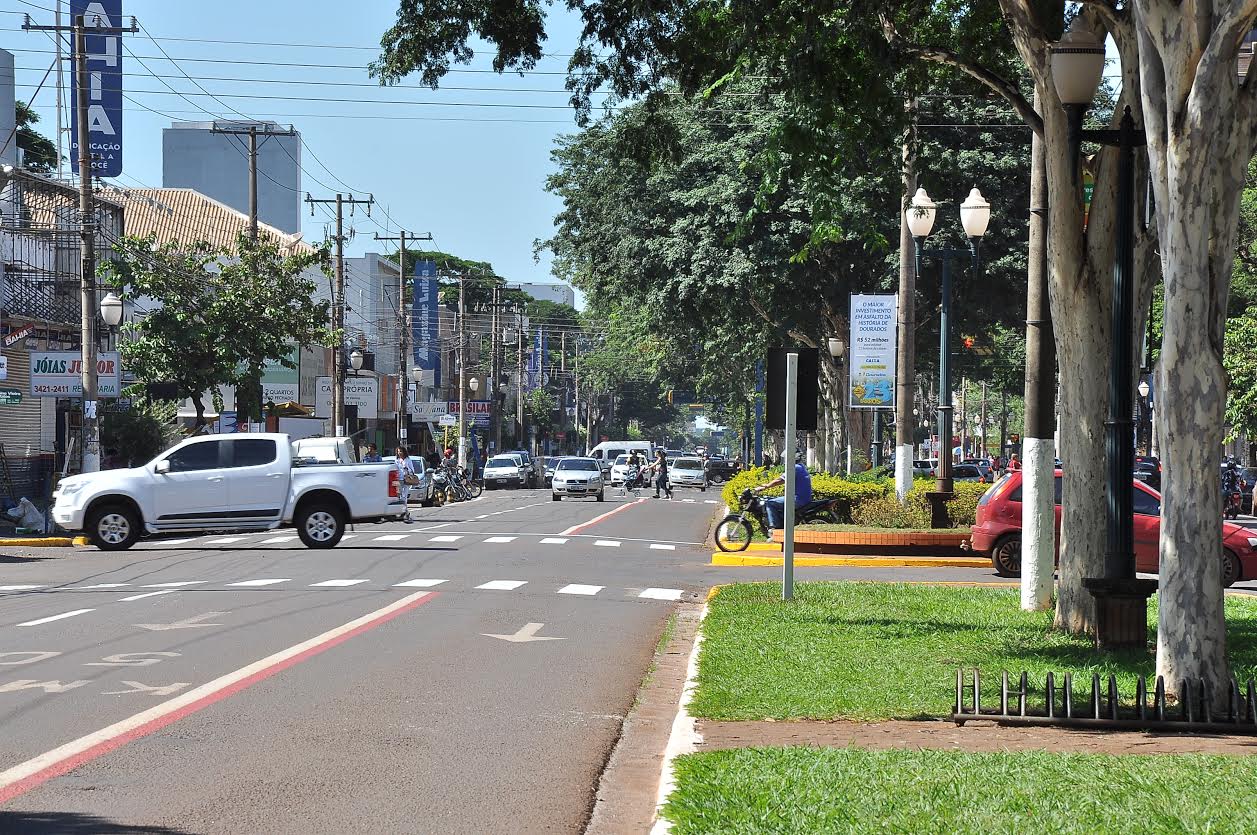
(878, 543)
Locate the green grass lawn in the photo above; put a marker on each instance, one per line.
(841, 790)
(877, 651)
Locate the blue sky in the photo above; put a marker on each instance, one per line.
(477, 186)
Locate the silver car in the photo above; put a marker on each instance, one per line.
(577, 477)
(688, 472)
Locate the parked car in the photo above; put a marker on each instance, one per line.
(688, 472)
(226, 482)
(426, 488)
(1149, 473)
(720, 470)
(923, 467)
(969, 472)
(549, 468)
(618, 469)
(996, 531)
(577, 477)
(506, 471)
(535, 473)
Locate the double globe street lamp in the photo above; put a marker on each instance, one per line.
(975, 216)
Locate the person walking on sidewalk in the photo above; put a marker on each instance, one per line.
(661, 474)
(776, 507)
(406, 478)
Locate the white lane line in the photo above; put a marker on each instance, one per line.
(147, 594)
(19, 588)
(418, 584)
(710, 501)
(176, 585)
(661, 594)
(61, 616)
(173, 541)
(337, 583)
(502, 585)
(446, 538)
(275, 540)
(349, 536)
(553, 540)
(433, 527)
(101, 586)
(392, 537)
(227, 540)
(688, 501)
(270, 581)
(483, 516)
(500, 539)
(657, 546)
(577, 588)
(608, 543)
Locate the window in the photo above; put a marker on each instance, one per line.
(507, 461)
(1145, 503)
(202, 456)
(688, 464)
(252, 452)
(577, 464)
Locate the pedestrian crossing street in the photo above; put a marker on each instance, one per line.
(419, 538)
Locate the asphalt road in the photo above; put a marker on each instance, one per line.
(468, 672)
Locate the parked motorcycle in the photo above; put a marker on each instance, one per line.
(735, 531)
(1232, 504)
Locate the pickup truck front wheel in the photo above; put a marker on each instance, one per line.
(113, 528)
(320, 525)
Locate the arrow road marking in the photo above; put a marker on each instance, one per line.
(187, 623)
(527, 632)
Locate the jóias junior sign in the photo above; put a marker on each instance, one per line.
(59, 374)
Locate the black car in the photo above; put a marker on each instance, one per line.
(1149, 472)
(534, 476)
(720, 470)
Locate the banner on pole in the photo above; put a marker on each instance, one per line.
(104, 84)
(424, 324)
(871, 351)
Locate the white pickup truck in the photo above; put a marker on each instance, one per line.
(226, 482)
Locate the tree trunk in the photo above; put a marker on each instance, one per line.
(199, 405)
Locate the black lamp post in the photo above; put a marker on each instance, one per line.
(975, 215)
(1121, 598)
(1145, 411)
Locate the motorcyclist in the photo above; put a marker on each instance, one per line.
(776, 507)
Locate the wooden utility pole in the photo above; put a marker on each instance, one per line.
(403, 380)
(338, 304)
(252, 132)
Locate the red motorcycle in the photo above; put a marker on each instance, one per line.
(1231, 505)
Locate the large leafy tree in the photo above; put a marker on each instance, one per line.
(219, 316)
(39, 152)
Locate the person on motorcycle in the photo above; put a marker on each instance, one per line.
(1231, 484)
(776, 507)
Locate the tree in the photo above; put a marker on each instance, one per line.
(1240, 361)
(39, 152)
(221, 315)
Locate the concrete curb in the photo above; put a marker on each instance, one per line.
(742, 560)
(45, 542)
(684, 737)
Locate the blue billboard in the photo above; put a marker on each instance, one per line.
(423, 322)
(104, 88)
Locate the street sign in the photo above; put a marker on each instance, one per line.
(10, 396)
(448, 420)
(104, 107)
(429, 412)
(362, 392)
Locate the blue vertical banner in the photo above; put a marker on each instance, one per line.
(423, 322)
(104, 88)
(534, 362)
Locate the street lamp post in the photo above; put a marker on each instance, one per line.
(1121, 598)
(473, 384)
(838, 350)
(1146, 413)
(975, 215)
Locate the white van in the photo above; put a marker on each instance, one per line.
(607, 451)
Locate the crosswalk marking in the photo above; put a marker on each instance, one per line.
(100, 586)
(577, 588)
(391, 537)
(608, 543)
(275, 540)
(553, 540)
(502, 585)
(661, 594)
(349, 536)
(658, 546)
(500, 539)
(173, 541)
(710, 501)
(418, 584)
(147, 594)
(688, 501)
(61, 616)
(337, 583)
(270, 581)
(446, 538)
(19, 588)
(174, 585)
(227, 540)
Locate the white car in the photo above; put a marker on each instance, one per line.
(506, 471)
(618, 470)
(577, 477)
(688, 472)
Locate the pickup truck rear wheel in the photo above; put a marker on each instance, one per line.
(113, 527)
(320, 525)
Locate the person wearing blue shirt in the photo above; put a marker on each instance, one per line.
(776, 507)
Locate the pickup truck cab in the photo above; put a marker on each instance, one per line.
(226, 482)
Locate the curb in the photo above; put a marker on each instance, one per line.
(684, 737)
(45, 542)
(739, 559)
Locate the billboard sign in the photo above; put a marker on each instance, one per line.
(425, 332)
(359, 391)
(477, 412)
(872, 351)
(104, 85)
(59, 374)
(280, 392)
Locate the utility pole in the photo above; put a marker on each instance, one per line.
(403, 381)
(252, 132)
(982, 418)
(462, 371)
(495, 375)
(89, 373)
(519, 382)
(905, 422)
(338, 304)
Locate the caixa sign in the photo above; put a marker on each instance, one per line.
(104, 86)
(59, 374)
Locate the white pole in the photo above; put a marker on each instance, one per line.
(787, 546)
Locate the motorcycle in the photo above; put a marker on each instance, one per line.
(1231, 505)
(735, 531)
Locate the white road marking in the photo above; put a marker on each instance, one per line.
(418, 584)
(710, 501)
(275, 540)
(500, 539)
(19, 588)
(502, 585)
(526, 634)
(270, 581)
(483, 516)
(337, 583)
(688, 501)
(446, 538)
(227, 540)
(553, 540)
(101, 586)
(147, 594)
(657, 546)
(173, 541)
(577, 588)
(175, 585)
(195, 622)
(661, 594)
(349, 536)
(61, 616)
(608, 543)
(392, 537)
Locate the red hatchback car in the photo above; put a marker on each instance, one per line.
(997, 531)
